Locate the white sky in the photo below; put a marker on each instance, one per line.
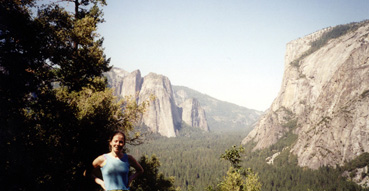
(232, 50)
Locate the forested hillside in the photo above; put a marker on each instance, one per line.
(284, 174)
(194, 161)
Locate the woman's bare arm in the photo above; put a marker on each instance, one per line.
(97, 163)
(136, 166)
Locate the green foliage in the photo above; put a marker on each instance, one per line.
(188, 131)
(77, 53)
(71, 129)
(23, 75)
(333, 33)
(284, 174)
(22, 59)
(238, 178)
(285, 141)
(233, 155)
(51, 134)
(359, 162)
(235, 181)
(193, 160)
(152, 179)
(66, 131)
(291, 124)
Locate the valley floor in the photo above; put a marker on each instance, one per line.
(194, 161)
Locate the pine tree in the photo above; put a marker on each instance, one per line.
(23, 75)
(237, 178)
(56, 111)
(152, 179)
(77, 56)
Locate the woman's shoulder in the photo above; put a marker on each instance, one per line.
(131, 158)
(128, 156)
(99, 161)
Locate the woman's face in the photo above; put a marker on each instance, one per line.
(117, 143)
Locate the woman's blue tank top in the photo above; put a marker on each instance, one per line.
(115, 172)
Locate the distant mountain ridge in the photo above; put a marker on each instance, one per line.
(221, 115)
(175, 105)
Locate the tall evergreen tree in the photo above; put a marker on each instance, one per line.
(23, 75)
(237, 178)
(51, 133)
(77, 53)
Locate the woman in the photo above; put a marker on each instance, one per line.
(115, 165)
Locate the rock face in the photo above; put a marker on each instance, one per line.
(131, 84)
(221, 116)
(115, 78)
(193, 114)
(162, 116)
(326, 96)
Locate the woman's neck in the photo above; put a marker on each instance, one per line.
(116, 154)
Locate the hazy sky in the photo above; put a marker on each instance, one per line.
(232, 50)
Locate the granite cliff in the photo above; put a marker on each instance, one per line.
(220, 115)
(193, 114)
(324, 98)
(175, 105)
(163, 115)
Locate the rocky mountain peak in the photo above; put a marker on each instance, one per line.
(193, 114)
(323, 99)
(163, 115)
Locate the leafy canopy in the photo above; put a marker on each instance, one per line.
(56, 110)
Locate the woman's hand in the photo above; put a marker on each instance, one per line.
(98, 162)
(100, 182)
(137, 167)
